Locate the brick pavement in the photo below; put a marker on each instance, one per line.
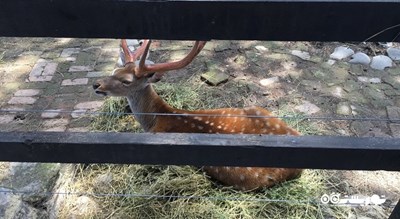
(56, 80)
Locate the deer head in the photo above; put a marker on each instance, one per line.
(136, 75)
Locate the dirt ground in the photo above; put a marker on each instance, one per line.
(294, 87)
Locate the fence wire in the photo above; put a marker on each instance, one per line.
(88, 112)
(315, 201)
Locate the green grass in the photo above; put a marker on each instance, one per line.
(191, 181)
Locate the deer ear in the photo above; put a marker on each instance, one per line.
(115, 70)
(154, 77)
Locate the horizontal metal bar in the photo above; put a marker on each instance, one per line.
(310, 20)
(317, 152)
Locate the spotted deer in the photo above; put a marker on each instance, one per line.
(133, 81)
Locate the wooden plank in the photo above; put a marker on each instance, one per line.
(318, 152)
(310, 20)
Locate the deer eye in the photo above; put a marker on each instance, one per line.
(126, 82)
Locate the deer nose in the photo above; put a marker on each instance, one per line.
(96, 85)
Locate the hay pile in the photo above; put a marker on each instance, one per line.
(202, 197)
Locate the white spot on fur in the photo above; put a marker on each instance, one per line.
(233, 130)
(211, 124)
(249, 168)
(277, 126)
(264, 130)
(207, 122)
(258, 113)
(256, 175)
(268, 178)
(200, 127)
(242, 177)
(210, 131)
(219, 127)
(223, 112)
(185, 121)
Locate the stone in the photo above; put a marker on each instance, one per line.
(214, 77)
(260, 48)
(78, 129)
(360, 128)
(56, 129)
(369, 80)
(38, 68)
(80, 68)
(51, 123)
(50, 68)
(27, 93)
(337, 92)
(12, 206)
(394, 53)
(393, 113)
(331, 62)
(39, 78)
(51, 114)
(386, 44)
(360, 58)
(22, 100)
(68, 52)
(341, 52)
(36, 179)
(73, 82)
(375, 80)
(394, 81)
(78, 113)
(303, 55)
(308, 108)
(343, 108)
(351, 85)
(395, 130)
(380, 62)
(132, 42)
(5, 119)
(374, 93)
(96, 74)
(268, 81)
(90, 105)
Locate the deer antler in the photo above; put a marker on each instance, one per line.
(143, 50)
(131, 57)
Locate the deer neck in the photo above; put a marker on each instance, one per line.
(146, 100)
